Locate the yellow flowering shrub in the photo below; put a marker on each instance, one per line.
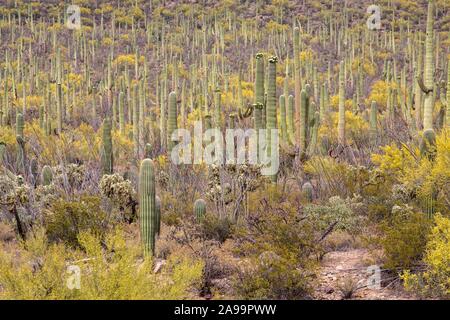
(435, 280)
(114, 269)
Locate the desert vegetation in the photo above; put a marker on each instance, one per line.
(93, 205)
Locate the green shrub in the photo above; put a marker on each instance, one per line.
(112, 268)
(404, 237)
(215, 228)
(66, 219)
(278, 249)
(435, 280)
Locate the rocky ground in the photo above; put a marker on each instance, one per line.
(344, 276)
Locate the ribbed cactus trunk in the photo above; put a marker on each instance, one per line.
(158, 215)
(199, 209)
(341, 115)
(271, 105)
(373, 120)
(59, 108)
(282, 104)
(135, 104)
(147, 206)
(107, 148)
(259, 91)
(304, 111)
(172, 119)
(418, 90)
(290, 118)
(297, 83)
(429, 70)
(447, 112)
(46, 176)
(121, 113)
(20, 160)
(217, 109)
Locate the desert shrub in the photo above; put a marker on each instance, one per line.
(337, 213)
(121, 193)
(404, 237)
(216, 228)
(435, 280)
(277, 247)
(64, 220)
(109, 269)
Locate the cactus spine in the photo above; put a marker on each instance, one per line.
(341, 121)
(171, 119)
(107, 148)
(147, 206)
(199, 209)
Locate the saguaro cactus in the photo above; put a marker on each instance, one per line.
(46, 176)
(147, 206)
(304, 111)
(428, 83)
(428, 144)
(271, 106)
(297, 81)
(199, 209)
(158, 215)
(171, 119)
(121, 113)
(259, 91)
(341, 121)
(373, 119)
(107, 148)
(447, 112)
(20, 143)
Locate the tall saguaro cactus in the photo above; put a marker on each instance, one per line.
(271, 105)
(341, 120)
(259, 91)
(147, 206)
(107, 148)
(428, 83)
(447, 112)
(20, 143)
(297, 81)
(171, 119)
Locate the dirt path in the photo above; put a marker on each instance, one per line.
(346, 271)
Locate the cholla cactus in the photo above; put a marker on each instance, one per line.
(121, 193)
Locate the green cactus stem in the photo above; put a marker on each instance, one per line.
(147, 206)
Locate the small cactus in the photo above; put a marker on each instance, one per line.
(107, 148)
(307, 190)
(428, 144)
(199, 209)
(46, 176)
